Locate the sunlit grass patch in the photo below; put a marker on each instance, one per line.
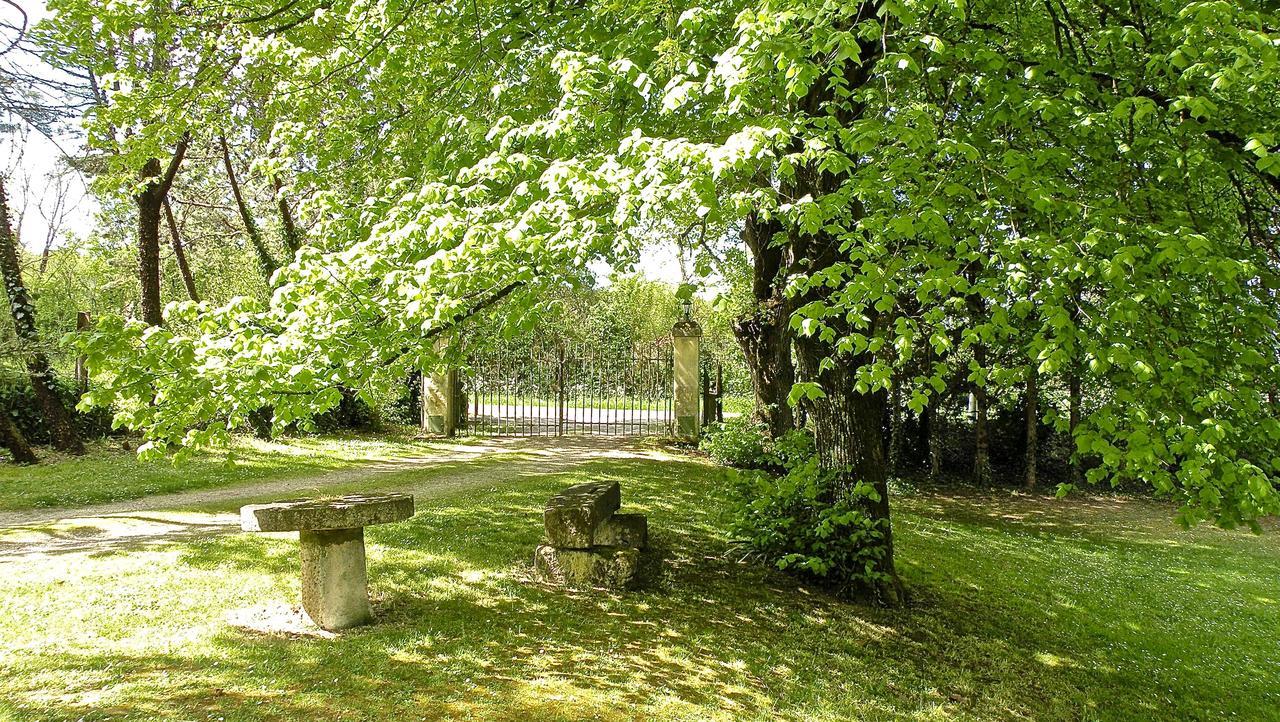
(1023, 608)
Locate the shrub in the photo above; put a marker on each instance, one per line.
(737, 442)
(19, 401)
(352, 412)
(794, 520)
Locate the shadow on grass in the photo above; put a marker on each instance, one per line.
(464, 631)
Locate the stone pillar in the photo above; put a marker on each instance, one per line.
(686, 338)
(335, 592)
(439, 401)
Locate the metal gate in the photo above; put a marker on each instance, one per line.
(558, 391)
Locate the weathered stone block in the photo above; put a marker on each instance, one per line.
(571, 517)
(335, 592)
(624, 530)
(347, 512)
(610, 567)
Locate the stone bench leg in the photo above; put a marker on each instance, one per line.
(335, 590)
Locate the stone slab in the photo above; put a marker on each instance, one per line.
(347, 512)
(609, 567)
(624, 530)
(571, 517)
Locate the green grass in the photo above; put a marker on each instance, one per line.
(109, 473)
(1023, 608)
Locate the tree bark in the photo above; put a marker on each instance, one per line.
(1033, 424)
(766, 344)
(292, 236)
(895, 425)
(1074, 397)
(265, 259)
(43, 385)
(13, 440)
(848, 437)
(981, 438)
(180, 254)
(764, 334)
(150, 201)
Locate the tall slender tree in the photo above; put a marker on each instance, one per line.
(155, 182)
(180, 253)
(57, 417)
(266, 261)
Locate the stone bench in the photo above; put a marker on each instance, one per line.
(335, 592)
(588, 543)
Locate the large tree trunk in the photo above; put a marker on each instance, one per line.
(1073, 421)
(848, 436)
(847, 424)
(265, 260)
(180, 254)
(766, 343)
(764, 334)
(43, 385)
(1033, 423)
(12, 439)
(150, 202)
(981, 439)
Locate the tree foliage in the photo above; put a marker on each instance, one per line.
(1101, 175)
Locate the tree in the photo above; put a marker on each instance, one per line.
(150, 199)
(11, 438)
(180, 253)
(43, 384)
(266, 262)
(908, 158)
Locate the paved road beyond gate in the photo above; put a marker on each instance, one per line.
(555, 391)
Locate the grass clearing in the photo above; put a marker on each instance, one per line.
(1024, 608)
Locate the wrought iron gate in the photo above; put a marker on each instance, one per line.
(555, 391)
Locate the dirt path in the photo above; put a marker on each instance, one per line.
(163, 519)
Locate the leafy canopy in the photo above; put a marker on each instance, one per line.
(1101, 175)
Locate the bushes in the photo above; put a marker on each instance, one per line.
(352, 412)
(18, 400)
(737, 442)
(786, 511)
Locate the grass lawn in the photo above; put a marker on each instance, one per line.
(110, 473)
(1023, 608)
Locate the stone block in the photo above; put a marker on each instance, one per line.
(335, 592)
(624, 530)
(571, 517)
(609, 567)
(346, 512)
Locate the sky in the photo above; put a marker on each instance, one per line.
(29, 160)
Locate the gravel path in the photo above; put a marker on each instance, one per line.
(163, 519)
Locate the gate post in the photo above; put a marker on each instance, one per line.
(686, 341)
(439, 402)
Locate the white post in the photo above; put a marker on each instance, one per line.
(439, 399)
(686, 339)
